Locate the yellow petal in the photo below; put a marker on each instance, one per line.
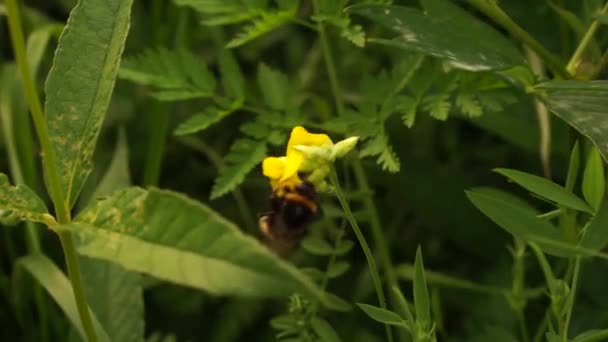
(273, 167)
(292, 164)
(300, 136)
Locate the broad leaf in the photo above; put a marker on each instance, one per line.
(20, 203)
(324, 330)
(54, 281)
(546, 189)
(175, 238)
(275, 87)
(596, 234)
(518, 221)
(316, 245)
(443, 30)
(80, 84)
(382, 315)
(232, 76)
(115, 294)
(583, 105)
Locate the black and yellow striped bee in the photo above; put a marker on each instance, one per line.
(292, 211)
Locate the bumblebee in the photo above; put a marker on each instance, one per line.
(292, 211)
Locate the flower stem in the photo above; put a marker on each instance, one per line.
(56, 191)
(582, 46)
(373, 269)
(492, 10)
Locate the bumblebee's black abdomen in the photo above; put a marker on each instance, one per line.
(296, 215)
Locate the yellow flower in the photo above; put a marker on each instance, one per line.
(307, 152)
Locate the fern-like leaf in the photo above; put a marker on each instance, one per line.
(176, 74)
(378, 145)
(267, 22)
(243, 156)
(469, 105)
(275, 87)
(438, 105)
(203, 120)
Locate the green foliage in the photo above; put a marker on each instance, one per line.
(174, 74)
(76, 102)
(446, 88)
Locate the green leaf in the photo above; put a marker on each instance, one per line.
(80, 84)
(324, 330)
(116, 297)
(443, 30)
(20, 203)
(438, 105)
(275, 87)
(54, 281)
(382, 315)
(378, 145)
(546, 189)
(344, 247)
(203, 120)
(583, 105)
(421, 294)
(232, 76)
(402, 304)
(244, 155)
(175, 74)
(519, 221)
(267, 22)
(115, 294)
(212, 6)
(596, 234)
(594, 335)
(316, 245)
(573, 167)
(337, 269)
(594, 181)
(174, 238)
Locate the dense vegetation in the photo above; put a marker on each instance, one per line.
(133, 135)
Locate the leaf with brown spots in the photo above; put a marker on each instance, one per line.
(174, 238)
(20, 203)
(80, 84)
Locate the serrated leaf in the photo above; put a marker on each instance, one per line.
(57, 285)
(324, 330)
(583, 105)
(446, 31)
(202, 120)
(378, 146)
(230, 18)
(594, 181)
(437, 105)
(244, 155)
(382, 315)
(275, 87)
(422, 303)
(175, 74)
(20, 203)
(316, 245)
(546, 189)
(267, 22)
(337, 269)
(172, 237)
(232, 76)
(80, 84)
(519, 221)
(469, 105)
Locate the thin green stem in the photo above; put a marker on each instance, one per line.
(571, 297)
(585, 41)
(71, 259)
(329, 64)
(62, 208)
(304, 23)
(33, 100)
(492, 10)
(371, 263)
